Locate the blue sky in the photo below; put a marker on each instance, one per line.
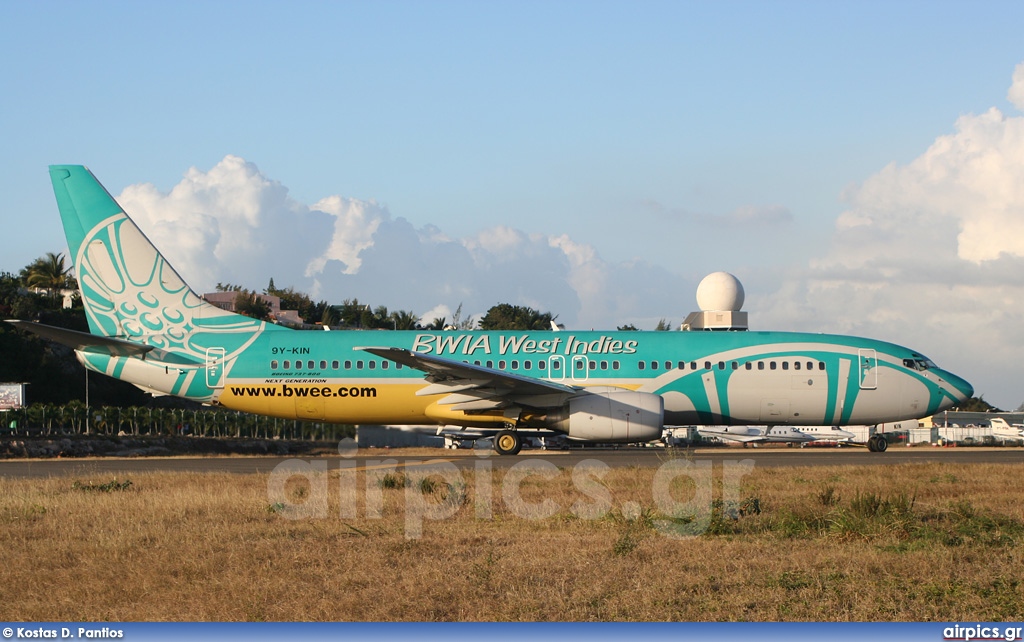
(595, 159)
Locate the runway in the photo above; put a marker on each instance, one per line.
(21, 468)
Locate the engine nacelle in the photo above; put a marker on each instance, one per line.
(613, 415)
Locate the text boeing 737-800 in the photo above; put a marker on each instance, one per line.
(149, 328)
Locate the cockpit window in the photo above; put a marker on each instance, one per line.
(919, 364)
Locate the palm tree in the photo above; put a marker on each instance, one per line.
(404, 320)
(330, 316)
(51, 274)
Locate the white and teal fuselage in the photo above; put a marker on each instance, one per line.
(149, 328)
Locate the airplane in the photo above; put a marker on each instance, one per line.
(757, 434)
(147, 327)
(828, 434)
(1004, 431)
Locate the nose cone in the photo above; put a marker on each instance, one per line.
(957, 389)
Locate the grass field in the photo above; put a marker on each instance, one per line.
(908, 542)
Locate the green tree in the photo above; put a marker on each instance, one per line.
(293, 300)
(330, 316)
(663, 326)
(505, 316)
(253, 305)
(355, 314)
(458, 322)
(380, 319)
(405, 320)
(629, 327)
(977, 404)
(18, 303)
(50, 273)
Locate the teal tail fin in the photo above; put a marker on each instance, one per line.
(151, 329)
(128, 289)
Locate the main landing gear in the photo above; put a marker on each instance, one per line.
(508, 442)
(877, 444)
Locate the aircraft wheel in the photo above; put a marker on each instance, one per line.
(882, 445)
(872, 445)
(507, 442)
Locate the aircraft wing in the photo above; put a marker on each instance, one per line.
(470, 387)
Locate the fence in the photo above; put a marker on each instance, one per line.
(72, 419)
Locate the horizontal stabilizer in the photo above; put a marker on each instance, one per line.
(84, 341)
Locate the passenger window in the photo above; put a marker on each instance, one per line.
(615, 365)
(502, 364)
(373, 365)
(735, 366)
(273, 364)
(515, 365)
(334, 365)
(654, 365)
(810, 365)
(323, 365)
(604, 365)
(556, 365)
(721, 365)
(311, 365)
(796, 365)
(541, 365)
(682, 365)
(760, 365)
(748, 366)
(287, 365)
(771, 365)
(359, 365)
(668, 365)
(821, 365)
(384, 365)
(527, 365)
(642, 365)
(693, 365)
(476, 363)
(348, 365)
(785, 365)
(490, 364)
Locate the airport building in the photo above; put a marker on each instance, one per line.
(226, 301)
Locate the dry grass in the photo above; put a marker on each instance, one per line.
(911, 542)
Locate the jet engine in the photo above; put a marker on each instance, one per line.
(611, 415)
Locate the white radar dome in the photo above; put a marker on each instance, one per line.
(720, 291)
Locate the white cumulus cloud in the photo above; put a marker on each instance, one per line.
(232, 224)
(1016, 93)
(931, 255)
